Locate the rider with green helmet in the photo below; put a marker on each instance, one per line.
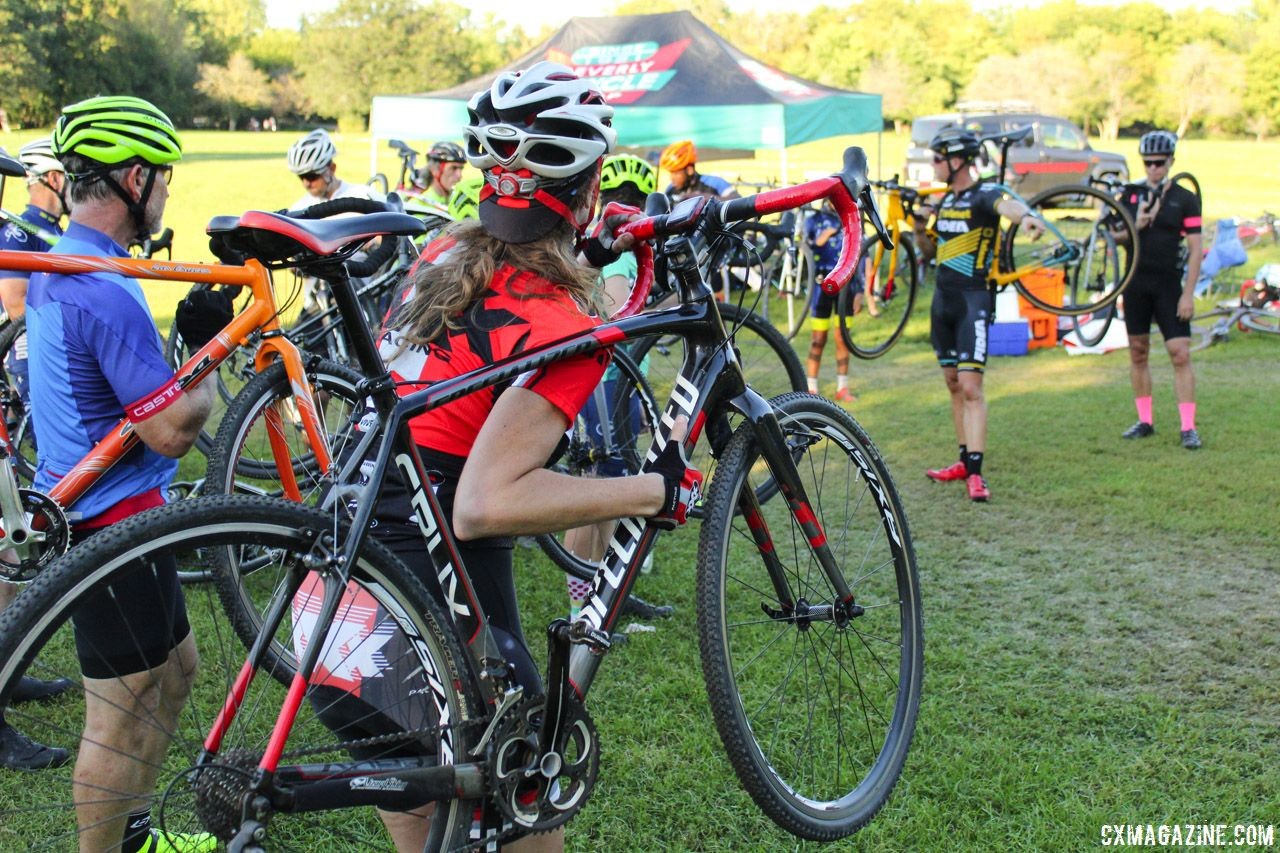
(95, 354)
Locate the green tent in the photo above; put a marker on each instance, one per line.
(670, 77)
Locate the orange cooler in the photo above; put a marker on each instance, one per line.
(1049, 286)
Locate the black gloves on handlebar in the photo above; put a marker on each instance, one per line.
(201, 314)
(598, 247)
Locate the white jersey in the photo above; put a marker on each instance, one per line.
(343, 190)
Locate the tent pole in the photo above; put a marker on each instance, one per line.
(880, 152)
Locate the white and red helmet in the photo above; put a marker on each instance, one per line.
(538, 136)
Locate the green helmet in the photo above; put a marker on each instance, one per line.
(628, 169)
(114, 128)
(464, 201)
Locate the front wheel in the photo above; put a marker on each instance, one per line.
(814, 701)
(1085, 258)
(873, 309)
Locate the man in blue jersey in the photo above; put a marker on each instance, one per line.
(96, 355)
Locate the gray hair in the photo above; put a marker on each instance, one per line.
(84, 178)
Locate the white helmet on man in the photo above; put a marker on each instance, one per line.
(312, 152)
(38, 159)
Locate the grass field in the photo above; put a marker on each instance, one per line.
(1101, 639)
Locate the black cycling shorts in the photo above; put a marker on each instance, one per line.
(132, 625)
(1154, 296)
(959, 327)
(488, 562)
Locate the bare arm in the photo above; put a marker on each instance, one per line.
(1187, 301)
(13, 294)
(505, 490)
(173, 430)
(1015, 211)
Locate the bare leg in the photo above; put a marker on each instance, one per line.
(1184, 379)
(1139, 366)
(974, 404)
(128, 724)
(8, 592)
(951, 376)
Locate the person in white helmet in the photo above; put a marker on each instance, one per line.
(313, 158)
(488, 289)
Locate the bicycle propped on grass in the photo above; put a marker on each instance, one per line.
(809, 617)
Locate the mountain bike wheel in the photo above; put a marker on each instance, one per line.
(627, 411)
(892, 283)
(1095, 255)
(390, 622)
(770, 364)
(816, 717)
(240, 458)
(15, 412)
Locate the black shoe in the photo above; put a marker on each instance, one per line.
(637, 606)
(19, 752)
(1191, 439)
(1141, 429)
(34, 689)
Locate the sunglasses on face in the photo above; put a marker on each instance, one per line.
(1155, 164)
(166, 172)
(938, 158)
(311, 176)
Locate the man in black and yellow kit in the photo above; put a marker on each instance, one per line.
(966, 224)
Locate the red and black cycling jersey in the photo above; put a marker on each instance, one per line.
(1160, 243)
(520, 311)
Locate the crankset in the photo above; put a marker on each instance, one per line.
(539, 792)
(33, 533)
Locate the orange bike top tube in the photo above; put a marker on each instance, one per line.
(262, 314)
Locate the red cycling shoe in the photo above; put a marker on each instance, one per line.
(978, 490)
(956, 471)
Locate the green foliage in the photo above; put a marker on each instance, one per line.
(236, 87)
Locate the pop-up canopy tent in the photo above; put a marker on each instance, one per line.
(670, 77)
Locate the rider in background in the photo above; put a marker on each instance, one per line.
(963, 238)
(1165, 213)
(680, 160)
(312, 159)
(441, 174)
(464, 201)
(46, 185)
(823, 234)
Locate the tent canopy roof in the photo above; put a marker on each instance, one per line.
(670, 77)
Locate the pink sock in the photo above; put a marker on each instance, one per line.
(1144, 408)
(1187, 411)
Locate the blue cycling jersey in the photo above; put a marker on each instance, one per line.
(96, 356)
(15, 238)
(826, 255)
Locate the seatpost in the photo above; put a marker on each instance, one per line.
(362, 343)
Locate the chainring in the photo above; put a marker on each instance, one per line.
(48, 517)
(539, 793)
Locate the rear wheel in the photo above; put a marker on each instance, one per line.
(872, 317)
(387, 622)
(17, 415)
(816, 706)
(1089, 247)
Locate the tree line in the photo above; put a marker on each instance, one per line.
(1111, 68)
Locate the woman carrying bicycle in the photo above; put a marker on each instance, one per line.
(492, 288)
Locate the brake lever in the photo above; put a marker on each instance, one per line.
(873, 213)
